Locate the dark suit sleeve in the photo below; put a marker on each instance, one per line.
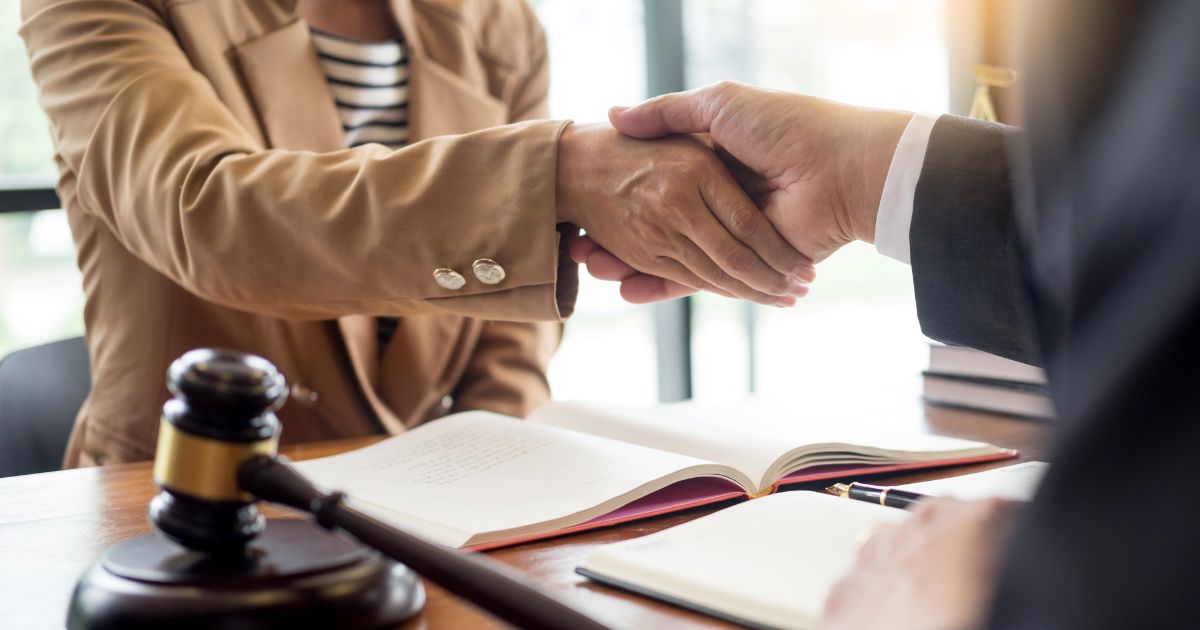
(963, 240)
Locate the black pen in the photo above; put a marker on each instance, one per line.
(883, 495)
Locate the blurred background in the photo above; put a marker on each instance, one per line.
(855, 336)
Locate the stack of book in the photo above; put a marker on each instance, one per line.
(971, 379)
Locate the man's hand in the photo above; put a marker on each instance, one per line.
(933, 571)
(670, 209)
(821, 165)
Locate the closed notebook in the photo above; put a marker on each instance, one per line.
(770, 563)
(482, 480)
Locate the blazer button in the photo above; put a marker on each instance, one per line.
(448, 279)
(488, 271)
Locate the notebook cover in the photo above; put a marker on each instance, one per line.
(669, 599)
(694, 493)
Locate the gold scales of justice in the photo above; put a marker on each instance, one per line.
(987, 77)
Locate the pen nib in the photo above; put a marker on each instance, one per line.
(838, 489)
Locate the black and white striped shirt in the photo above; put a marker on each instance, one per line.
(369, 81)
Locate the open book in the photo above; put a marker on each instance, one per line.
(771, 563)
(483, 480)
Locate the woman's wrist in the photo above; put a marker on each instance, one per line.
(569, 174)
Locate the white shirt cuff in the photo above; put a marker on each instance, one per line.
(896, 204)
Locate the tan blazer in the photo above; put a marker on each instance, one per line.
(213, 204)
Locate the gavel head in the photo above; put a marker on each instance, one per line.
(222, 413)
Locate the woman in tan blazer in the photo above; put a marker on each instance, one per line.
(213, 202)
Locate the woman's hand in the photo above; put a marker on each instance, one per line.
(671, 210)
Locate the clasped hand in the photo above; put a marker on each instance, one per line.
(791, 177)
(671, 210)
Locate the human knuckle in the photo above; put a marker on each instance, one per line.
(725, 87)
(681, 203)
(744, 222)
(693, 167)
(713, 275)
(660, 101)
(677, 247)
(655, 232)
(637, 259)
(642, 206)
(660, 199)
(738, 260)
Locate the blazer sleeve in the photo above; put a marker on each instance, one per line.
(153, 153)
(507, 371)
(964, 243)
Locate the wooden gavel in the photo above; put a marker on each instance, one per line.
(217, 458)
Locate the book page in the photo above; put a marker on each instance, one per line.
(770, 561)
(1018, 483)
(765, 441)
(480, 472)
(657, 428)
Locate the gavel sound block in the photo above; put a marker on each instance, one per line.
(216, 563)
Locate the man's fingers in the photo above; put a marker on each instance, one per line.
(680, 112)
(641, 288)
(749, 225)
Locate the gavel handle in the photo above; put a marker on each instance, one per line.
(486, 583)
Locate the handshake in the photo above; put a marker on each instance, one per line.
(740, 193)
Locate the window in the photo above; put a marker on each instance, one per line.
(40, 295)
(597, 59)
(859, 323)
(878, 53)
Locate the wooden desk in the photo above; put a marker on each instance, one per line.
(53, 525)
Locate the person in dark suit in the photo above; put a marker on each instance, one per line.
(1073, 244)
